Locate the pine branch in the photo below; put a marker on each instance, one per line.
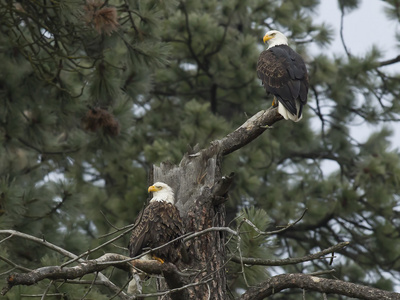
(283, 229)
(311, 283)
(40, 151)
(13, 233)
(390, 61)
(14, 265)
(168, 270)
(287, 261)
(164, 293)
(57, 272)
(76, 258)
(341, 33)
(200, 64)
(172, 275)
(186, 237)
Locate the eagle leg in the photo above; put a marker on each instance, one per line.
(274, 102)
(158, 259)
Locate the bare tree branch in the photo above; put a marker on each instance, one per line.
(244, 134)
(249, 130)
(99, 247)
(173, 277)
(341, 33)
(14, 233)
(57, 272)
(287, 261)
(275, 231)
(173, 290)
(171, 274)
(312, 283)
(390, 61)
(62, 251)
(13, 264)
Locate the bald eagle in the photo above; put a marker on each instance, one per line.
(283, 74)
(158, 224)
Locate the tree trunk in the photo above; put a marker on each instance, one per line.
(200, 193)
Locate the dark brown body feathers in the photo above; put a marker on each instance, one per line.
(283, 74)
(156, 225)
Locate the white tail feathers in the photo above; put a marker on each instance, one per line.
(287, 115)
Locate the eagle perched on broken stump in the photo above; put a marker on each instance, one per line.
(158, 224)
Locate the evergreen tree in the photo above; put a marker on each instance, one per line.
(94, 93)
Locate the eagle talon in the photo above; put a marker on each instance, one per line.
(157, 225)
(158, 259)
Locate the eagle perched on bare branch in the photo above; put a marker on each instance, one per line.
(284, 74)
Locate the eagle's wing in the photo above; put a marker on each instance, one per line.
(140, 233)
(159, 223)
(169, 228)
(284, 74)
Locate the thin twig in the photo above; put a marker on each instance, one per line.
(60, 295)
(46, 290)
(322, 272)
(131, 226)
(287, 261)
(91, 286)
(227, 229)
(64, 252)
(276, 231)
(240, 252)
(185, 237)
(108, 222)
(5, 239)
(341, 32)
(390, 61)
(97, 248)
(11, 263)
(7, 272)
(173, 290)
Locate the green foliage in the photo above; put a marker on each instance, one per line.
(173, 74)
(393, 10)
(250, 244)
(348, 5)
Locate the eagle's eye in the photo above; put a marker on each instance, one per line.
(159, 187)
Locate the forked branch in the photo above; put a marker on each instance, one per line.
(287, 261)
(57, 272)
(311, 283)
(249, 130)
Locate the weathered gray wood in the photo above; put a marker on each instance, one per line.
(193, 181)
(189, 178)
(311, 283)
(201, 191)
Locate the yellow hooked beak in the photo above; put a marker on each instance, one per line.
(153, 189)
(267, 38)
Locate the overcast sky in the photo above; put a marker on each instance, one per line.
(363, 28)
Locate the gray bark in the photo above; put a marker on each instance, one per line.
(201, 191)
